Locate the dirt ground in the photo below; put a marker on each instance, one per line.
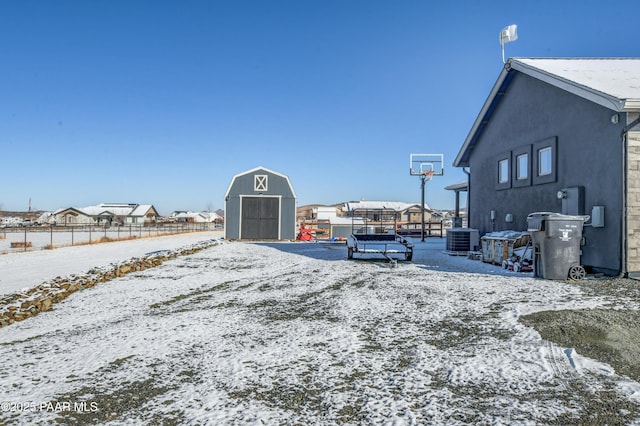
(610, 334)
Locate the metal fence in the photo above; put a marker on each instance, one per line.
(18, 239)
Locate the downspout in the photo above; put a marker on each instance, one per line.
(468, 173)
(625, 189)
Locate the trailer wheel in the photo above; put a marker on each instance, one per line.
(577, 272)
(408, 256)
(350, 253)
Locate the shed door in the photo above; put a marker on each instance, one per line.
(260, 218)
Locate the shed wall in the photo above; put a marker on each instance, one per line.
(243, 185)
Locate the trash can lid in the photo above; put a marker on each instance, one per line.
(557, 216)
(539, 216)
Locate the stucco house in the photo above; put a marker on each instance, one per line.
(561, 135)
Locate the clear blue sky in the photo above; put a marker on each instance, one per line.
(163, 102)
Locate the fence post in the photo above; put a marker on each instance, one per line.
(25, 238)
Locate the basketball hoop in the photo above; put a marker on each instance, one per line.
(428, 174)
(426, 166)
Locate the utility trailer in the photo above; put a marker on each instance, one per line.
(374, 232)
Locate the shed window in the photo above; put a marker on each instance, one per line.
(260, 183)
(522, 166)
(545, 161)
(503, 171)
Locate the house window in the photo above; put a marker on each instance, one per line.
(260, 183)
(503, 174)
(545, 156)
(545, 161)
(503, 171)
(522, 166)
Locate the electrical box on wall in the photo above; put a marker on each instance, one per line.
(597, 216)
(572, 200)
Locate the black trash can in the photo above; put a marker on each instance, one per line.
(556, 242)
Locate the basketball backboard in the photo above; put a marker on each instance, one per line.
(421, 163)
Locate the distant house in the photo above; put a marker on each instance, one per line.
(317, 212)
(197, 217)
(72, 216)
(561, 135)
(107, 214)
(404, 212)
(143, 214)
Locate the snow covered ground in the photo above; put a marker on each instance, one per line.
(25, 270)
(293, 333)
(41, 238)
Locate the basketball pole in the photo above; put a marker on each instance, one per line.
(423, 180)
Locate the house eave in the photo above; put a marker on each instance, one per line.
(484, 117)
(595, 96)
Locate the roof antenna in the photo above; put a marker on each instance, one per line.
(507, 35)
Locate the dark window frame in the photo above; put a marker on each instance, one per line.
(552, 144)
(499, 159)
(524, 150)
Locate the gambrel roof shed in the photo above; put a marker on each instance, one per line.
(260, 204)
(613, 83)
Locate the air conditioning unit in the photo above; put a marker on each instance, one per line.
(460, 241)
